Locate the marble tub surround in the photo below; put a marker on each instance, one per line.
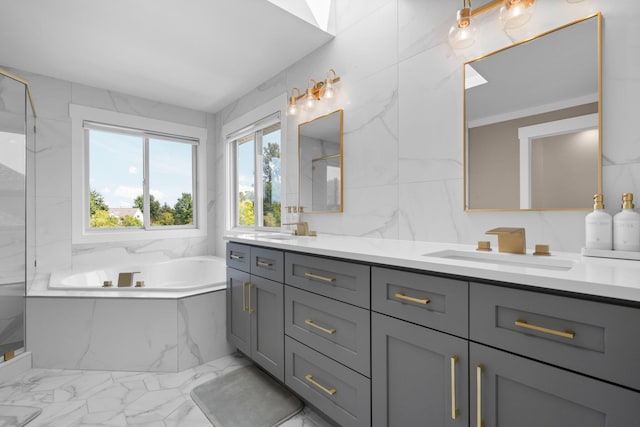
(130, 334)
(609, 278)
(113, 398)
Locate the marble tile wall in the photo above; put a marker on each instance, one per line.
(402, 97)
(54, 249)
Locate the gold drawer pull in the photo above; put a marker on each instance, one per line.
(424, 301)
(265, 264)
(564, 334)
(233, 256)
(244, 296)
(312, 323)
(479, 395)
(454, 409)
(249, 309)
(323, 278)
(309, 378)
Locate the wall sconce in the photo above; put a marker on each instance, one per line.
(316, 91)
(513, 14)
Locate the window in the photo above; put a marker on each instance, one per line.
(136, 178)
(257, 174)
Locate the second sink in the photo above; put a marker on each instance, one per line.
(546, 263)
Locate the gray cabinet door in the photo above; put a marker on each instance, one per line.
(266, 309)
(419, 376)
(509, 390)
(238, 321)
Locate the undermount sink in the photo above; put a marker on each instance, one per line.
(277, 236)
(516, 260)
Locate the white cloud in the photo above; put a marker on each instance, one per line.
(133, 170)
(106, 190)
(128, 192)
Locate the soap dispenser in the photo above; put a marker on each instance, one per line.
(626, 226)
(598, 226)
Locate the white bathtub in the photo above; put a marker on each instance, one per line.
(178, 275)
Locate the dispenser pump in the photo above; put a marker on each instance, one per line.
(597, 201)
(627, 201)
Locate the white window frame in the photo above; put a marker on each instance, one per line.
(81, 232)
(242, 126)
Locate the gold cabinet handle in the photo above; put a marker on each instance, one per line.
(330, 392)
(250, 310)
(565, 334)
(244, 298)
(315, 325)
(479, 395)
(454, 409)
(264, 264)
(233, 256)
(323, 278)
(424, 301)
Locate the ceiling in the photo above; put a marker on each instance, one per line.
(199, 54)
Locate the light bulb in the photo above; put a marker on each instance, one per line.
(516, 13)
(462, 34)
(329, 92)
(293, 109)
(462, 37)
(309, 100)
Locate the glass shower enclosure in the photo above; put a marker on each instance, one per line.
(17, 216)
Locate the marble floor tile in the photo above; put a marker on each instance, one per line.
(112, 398)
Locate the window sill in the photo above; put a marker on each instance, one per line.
(130, 235)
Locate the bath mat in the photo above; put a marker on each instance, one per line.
(246, 397)
(17, 416)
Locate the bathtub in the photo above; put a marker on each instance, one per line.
(181, 275)
(175, 322)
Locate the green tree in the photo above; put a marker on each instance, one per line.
(96, 202)
(130, 221)
(183, 209)
(101, 219)
(154, 210)
(246, 213)
(271, 172)
(166, 218)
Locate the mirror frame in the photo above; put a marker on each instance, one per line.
(598, 16)
(341, 130)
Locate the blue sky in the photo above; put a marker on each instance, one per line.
(116, 168)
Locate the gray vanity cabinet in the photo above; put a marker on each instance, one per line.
(420, 375)
(509, 390)
(255, 310)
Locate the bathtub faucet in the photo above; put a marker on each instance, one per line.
(126, 279)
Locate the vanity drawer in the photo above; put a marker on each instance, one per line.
(338, 330)
(594, 338)
(238, 256)
(341, 280)
(436, 302)
(267, 263)
(342, 394)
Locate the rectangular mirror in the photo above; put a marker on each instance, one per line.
(532, 115)
(320, 161)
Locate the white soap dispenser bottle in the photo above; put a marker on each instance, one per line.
(598, 226)
(626, 226)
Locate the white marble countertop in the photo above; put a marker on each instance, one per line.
(610, 278)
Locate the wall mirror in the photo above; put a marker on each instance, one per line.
(320, 162)
(532, 115)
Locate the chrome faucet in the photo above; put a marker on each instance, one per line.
(510, 239)
(126, 279)
(302, 229)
